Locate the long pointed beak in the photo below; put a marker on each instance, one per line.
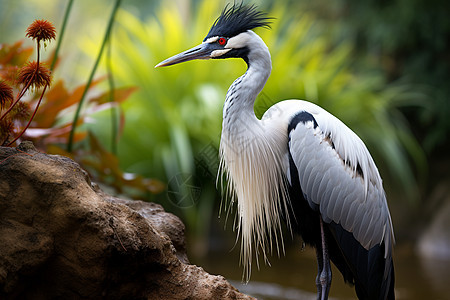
(202, 51)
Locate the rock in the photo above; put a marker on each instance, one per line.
(166, 223)
(61, 237)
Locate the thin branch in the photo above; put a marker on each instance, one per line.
(91, 76)
(61, 34)
(114, 131)
(32, 117)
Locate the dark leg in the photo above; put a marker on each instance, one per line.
(320, 265)
(325, 271)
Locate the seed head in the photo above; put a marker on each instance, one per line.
(41, 30)
(6, 128)
(36, 73)
(22, 111)
(6, 94)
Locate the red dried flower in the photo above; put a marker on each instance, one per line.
(36, 73)
(6, 128)
(41, 30)
(6, 94)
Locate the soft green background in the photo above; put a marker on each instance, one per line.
(380, 66)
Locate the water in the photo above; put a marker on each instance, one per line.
(293, 276)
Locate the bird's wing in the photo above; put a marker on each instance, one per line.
(338, 176)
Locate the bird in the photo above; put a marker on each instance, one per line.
(297, 165)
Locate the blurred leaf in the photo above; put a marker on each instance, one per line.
(120, 95)
(57, 150)
(45, 137)
(14, 54)
(58, 99)
(105, 166)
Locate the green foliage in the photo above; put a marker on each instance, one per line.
(91, 76)
(50, 128)
(175, 116)
(177, 110)
(408, 41)
(415, 35)
(175, 113)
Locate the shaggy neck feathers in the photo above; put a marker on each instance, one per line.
(249, 150)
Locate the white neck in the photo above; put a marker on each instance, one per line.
(251, 158)
(242, 93)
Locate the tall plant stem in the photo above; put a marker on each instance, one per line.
(114, 110)
(61, 34)
(91, 76)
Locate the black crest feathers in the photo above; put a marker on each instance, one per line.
(237, 19)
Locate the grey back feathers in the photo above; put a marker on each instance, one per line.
(237, 19)
(353, 199)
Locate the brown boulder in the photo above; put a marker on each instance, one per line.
(60, 236)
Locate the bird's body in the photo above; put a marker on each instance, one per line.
(298, 164)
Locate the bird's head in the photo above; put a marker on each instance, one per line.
(229, 36)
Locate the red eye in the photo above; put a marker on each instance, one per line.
(222, 41)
